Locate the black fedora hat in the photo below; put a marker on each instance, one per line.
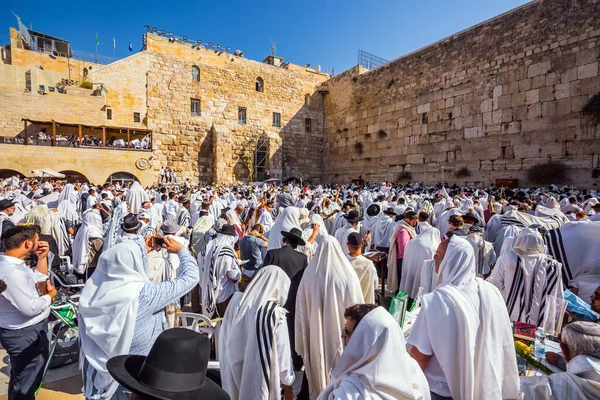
(294, 236)
(353, 216)
(175, 368)
(227, 230)
(472, 217)
(373, 210)
(389, 211)
(131, 223)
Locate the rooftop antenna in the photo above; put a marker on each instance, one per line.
(273, 48)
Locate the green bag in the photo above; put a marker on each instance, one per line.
(398, 307)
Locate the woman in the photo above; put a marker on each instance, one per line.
(88, 242)
(375, 364)
(254, 346)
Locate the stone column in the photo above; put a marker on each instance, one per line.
(222, 145)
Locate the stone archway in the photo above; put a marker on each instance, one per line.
(7, 173)
(124, 178)
(74, 176)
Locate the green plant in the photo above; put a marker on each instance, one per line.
(591, 109)
(462, 172)
(596, 173)
(87, 85)
(547, 173)
(358, 147)
(382, 134)
(405, 176)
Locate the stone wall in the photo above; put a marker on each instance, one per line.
(497, 99)
(214, 146)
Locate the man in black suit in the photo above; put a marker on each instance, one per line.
(293, 263)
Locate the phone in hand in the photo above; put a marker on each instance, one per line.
(157, 241)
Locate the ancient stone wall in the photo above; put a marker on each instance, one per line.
(496, 99)
(214, 146)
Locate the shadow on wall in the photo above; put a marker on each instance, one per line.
(206, 158)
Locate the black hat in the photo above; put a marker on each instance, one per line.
(597, 205)
(294, 236)
(175, 368)
(354, 239)
(348, 204)
(227, 229)
(373, 210)
(5, 203)
(353, 216)
(389, 211)
(131, 223)
(475, 228)
(472, 217)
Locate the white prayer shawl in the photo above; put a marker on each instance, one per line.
(581, 381)
(90, 228)
(470, 313)
(443, 225)
(428, 276)
(108, 309)
(156, 215)
(50, 200)
(288, 218)
(384, 228)
(529, 275)
(328, 287)
(417, 250)
(524, 220)
(491, 229)
(247, 341)
(68, 193)
(266, 219)
(310, 249)
(136, 197)
(215, 208)
(53, 224)
(198, 237)
(392, 260)
(113, 230)
(376, 365)
(484, 253)
(338, 221)
(367, 276)
(505, 238)
(342, 236)
(219, 258)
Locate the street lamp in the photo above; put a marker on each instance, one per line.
(442, 176)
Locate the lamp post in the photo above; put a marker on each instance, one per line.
(442, 176)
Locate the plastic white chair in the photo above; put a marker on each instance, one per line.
(192, 321)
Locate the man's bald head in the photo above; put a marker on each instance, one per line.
(440, 254)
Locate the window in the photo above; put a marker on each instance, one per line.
(276, 119)
(195, 74)
(195, 103)
(242, 115)
(260, 85)
(136, 117)
(307, 99)
(108, 113)
(307, 124)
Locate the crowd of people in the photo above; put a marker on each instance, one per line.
(43, 138)
(287, 273)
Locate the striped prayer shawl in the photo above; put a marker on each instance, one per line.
(223, 251)
(556, 248)
(266, 323)
(544, 283)
(524, 220)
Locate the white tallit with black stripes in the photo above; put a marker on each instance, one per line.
(524, 220)
(528, 277)
(220, 254)
(248, 348)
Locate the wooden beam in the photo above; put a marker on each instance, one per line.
(80, 128)
(25, 132)
(53, 133)
(103, 136)
(128, 138)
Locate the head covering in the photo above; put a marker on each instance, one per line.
(417, 250)
(219, 257)
(181, 355)
(131, 223)
(329, 285)
(372, 361)
(52, 224)
(108, 309)
(294, 236)
(136, 197)
(91, 227)
(169, 227)
(248, 351)
(288, 219)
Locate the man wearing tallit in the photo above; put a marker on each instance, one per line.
(290, 217)
(417, 250)
(375, 364)
(525, 275)
(462, 338)
(328, 287)
(404, 231)
(254, 346)
(87, 245)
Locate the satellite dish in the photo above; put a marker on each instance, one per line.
(54, 53)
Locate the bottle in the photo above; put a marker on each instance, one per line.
(540, 343)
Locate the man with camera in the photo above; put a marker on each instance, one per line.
(24, 309)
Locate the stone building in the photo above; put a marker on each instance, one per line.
(486, 103)
(207, 114)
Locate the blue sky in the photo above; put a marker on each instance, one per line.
(325, 32)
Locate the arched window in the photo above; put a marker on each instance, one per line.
(124, 178)
(307, 99)
(260, 84)
(195, 74)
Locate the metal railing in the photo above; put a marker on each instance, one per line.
(370, 61)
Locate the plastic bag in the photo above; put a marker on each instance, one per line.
(576, 305)
(398, 307)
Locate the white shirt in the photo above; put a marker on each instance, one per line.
(20, 304)
(171, 209)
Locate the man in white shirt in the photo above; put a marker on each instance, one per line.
(23, 312)
(171, 207)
